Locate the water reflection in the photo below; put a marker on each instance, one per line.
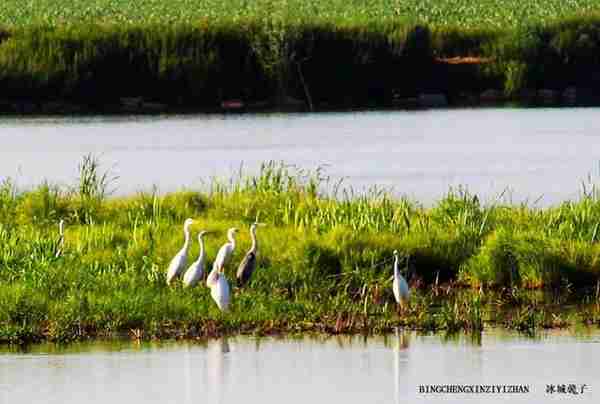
(303, 370)
(206, 376)
(218, 370)
(401, 354)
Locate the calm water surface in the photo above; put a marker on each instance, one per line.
(332, 370)
(536, 153)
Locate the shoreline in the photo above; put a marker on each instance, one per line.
(211, 329)
(128, 339)
(571, 97)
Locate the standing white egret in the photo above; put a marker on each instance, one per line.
(219, 289)
(248, 264)
(400, 287)
(216, 280)
(61, 239)
(225, 251)
(194, 273)
(178, 262)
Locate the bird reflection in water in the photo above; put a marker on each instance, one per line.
(218, 364)
(400, 359)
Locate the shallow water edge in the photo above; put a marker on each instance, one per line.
(393, 368)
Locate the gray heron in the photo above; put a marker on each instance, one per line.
(248, 264)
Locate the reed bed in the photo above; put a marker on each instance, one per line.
(325, 260)
(331, 53)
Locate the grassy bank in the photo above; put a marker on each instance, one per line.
(324, 260)
(326, 54)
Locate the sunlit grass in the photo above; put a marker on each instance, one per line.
(491, 13)
(324, 265)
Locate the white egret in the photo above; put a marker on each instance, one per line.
(219, 289)
(400, 287)
(226, 250)
(61, 239)
(178, 262)
(216, 280)
(248, 264)
(194, 273)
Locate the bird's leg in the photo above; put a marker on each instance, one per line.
(400, 310)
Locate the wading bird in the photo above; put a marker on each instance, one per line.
(225, 251)
(248, 264)
(61, 239)
(216, 280)
(194, 273)
(399, 287)
(178, 262)
(219, 288)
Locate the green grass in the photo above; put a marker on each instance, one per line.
(470, 14)
(194, 54)
(325, 260)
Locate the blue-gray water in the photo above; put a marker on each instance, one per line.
(325, 370)
(540, 154)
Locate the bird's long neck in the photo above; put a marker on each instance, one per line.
(201, 242)
(186, 243)
(231, 240)
(396, 268)
(254, 248)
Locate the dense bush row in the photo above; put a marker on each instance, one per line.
(257, 58)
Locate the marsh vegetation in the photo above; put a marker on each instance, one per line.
(324, 53)
(325, 261)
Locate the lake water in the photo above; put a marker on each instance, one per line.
(536, 153)
(309, 370)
